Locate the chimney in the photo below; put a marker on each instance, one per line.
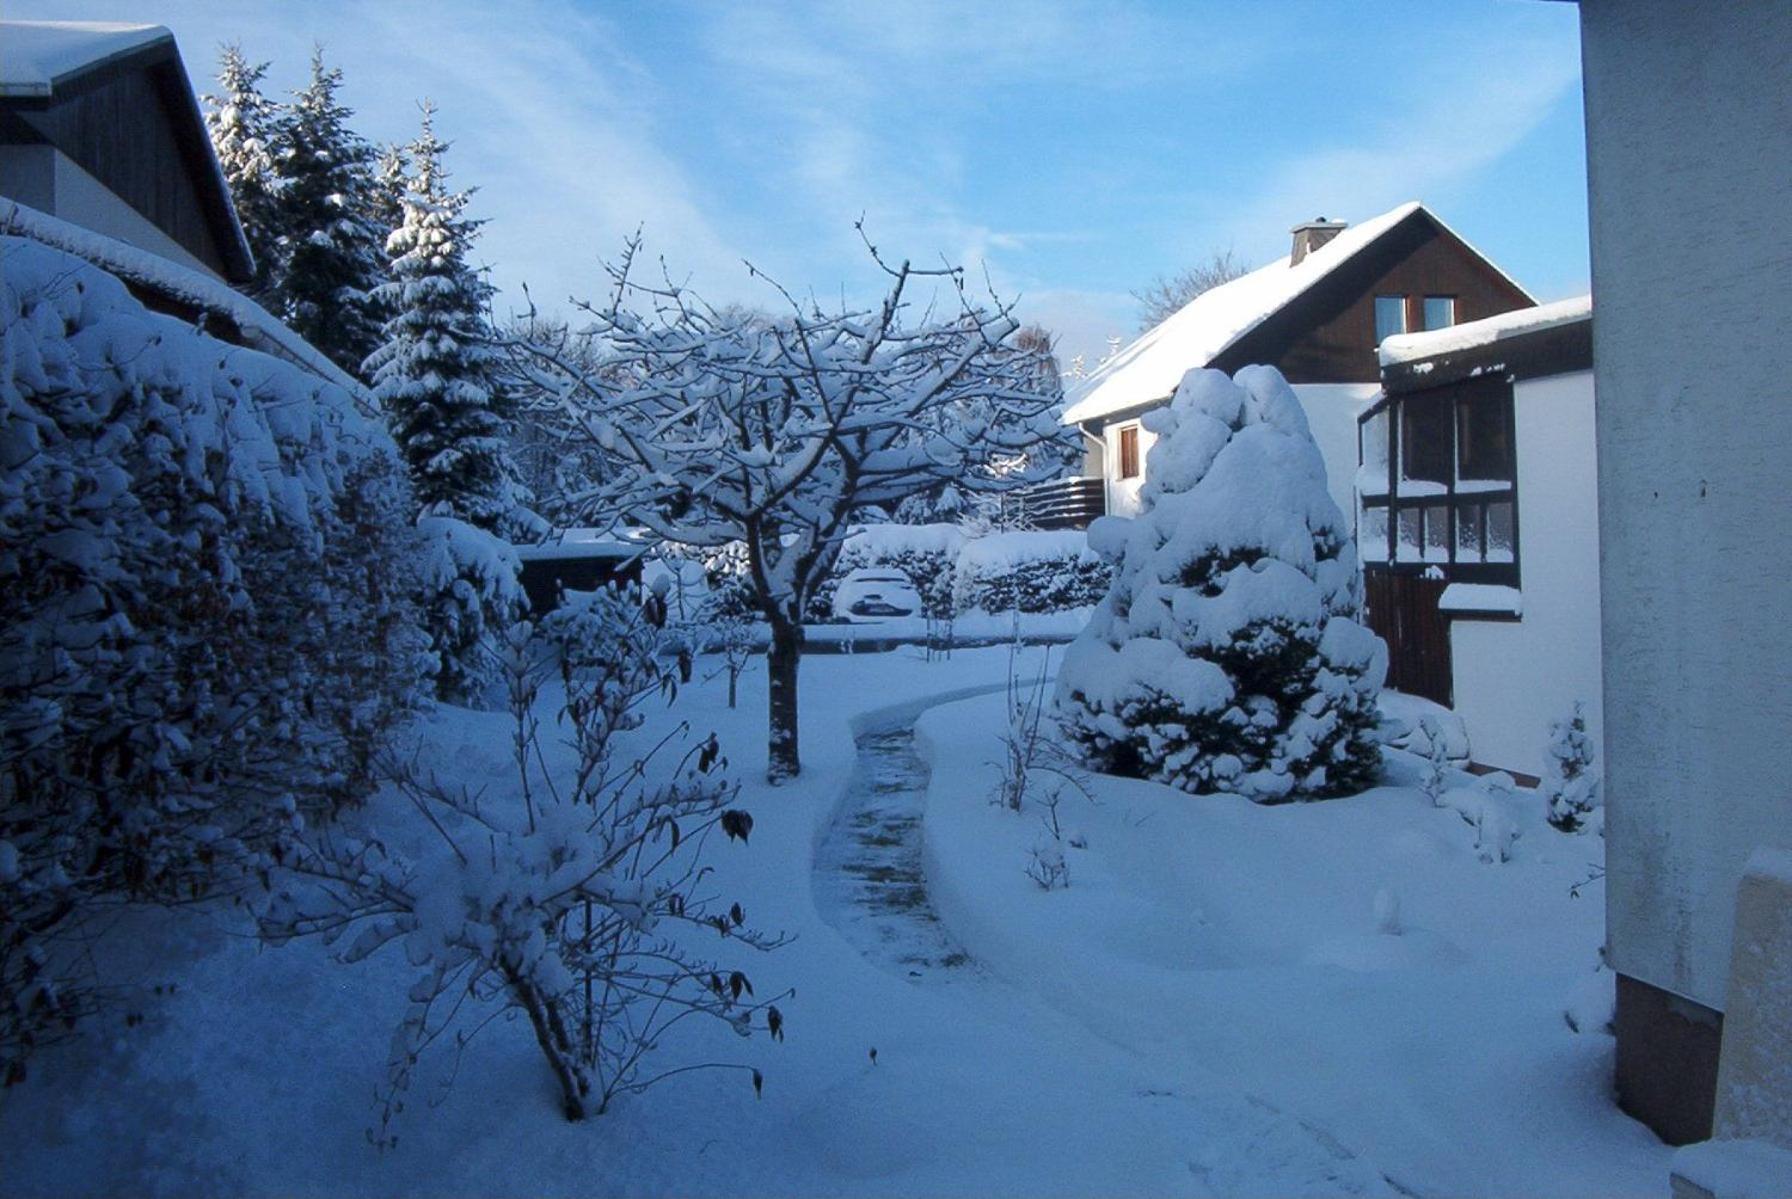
(1310, 235)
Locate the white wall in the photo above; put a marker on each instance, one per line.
(1689, 139)
(1513, 678)
(1332, 409)
(1123, 494)
(50, 181)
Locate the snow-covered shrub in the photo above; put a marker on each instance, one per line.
(206, 624)
(470, 593)
(1434, 775)
(1029, 572)
(925, 553)
(1230, 653)
(1571, 786)
(572, 898)
(1487, 807)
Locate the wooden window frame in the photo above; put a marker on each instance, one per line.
(1128, 464)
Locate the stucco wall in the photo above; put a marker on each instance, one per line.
(1512, 679)
(1332, 409)
(1689, 136)
(1123, 494)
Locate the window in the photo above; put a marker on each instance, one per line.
(1440, 312)
(1483, 439)
(1425, 442)
(1129, 452)
(1390, 317)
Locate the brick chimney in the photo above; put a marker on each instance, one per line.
(1310, 235)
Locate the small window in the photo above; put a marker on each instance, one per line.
(1372, 535)
(1440, 312)
(1129, 452)
(1483, 438)
(1500, 536)
(1425, 448)
(1411, 541)
(1437, 533)
(1469, 518)
(1390, 317)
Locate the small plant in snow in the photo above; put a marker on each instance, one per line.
(1571, 788)
(1046, 865)
(1434, 775)
(1030, 750)
(568, 903)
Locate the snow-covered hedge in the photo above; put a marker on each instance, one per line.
(1029, 572)
(925, 553)
(1230, 654)
(206, 614)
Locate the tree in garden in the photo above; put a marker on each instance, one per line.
(330, 251)
(1230, 653)
(727, 428)
(1571, 785)
(243, 123)
(436, 372)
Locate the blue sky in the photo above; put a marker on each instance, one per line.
(1073, 150)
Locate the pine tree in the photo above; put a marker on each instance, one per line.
(1230, 653)
(331, 249)
(435, 374)
(1571, 786)
(242, 123)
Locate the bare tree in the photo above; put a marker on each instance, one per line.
(724, 427)
(1168, 293)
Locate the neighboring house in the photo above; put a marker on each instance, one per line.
(99, 127)
(1478, 524)
(103, 154)
(1689, 141)
(1316, 315)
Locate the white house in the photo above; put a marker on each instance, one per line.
(1477, 522)
(1317, 315)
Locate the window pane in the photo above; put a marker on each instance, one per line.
(1440, 312)
(1425, 446)
(1484, 437)
(1408, 548)
(1500, 541)
(1129, 452)
(1372, 476)
(1390, 316)
(1468, 533)
(1372, 535)
(1437, 533)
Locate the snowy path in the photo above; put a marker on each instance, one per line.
(869, 882)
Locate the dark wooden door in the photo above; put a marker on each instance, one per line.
(1403, 611)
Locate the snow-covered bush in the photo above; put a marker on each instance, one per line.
(927, 554)
(1230, 653)
(206, 628)
(1487, 807)
(1434, 777)
(570, 899)
(1029, 572)
(470, 593)
(1571, 786)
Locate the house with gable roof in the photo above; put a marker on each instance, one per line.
(1316, 315)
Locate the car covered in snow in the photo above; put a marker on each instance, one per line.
(875, 593)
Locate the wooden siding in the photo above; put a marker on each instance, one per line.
(132, 125)
(1327, 335)
(1403, 611)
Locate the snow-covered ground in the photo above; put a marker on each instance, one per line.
(1209, 1008)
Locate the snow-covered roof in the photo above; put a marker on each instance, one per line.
(1148, 370)
(34, 55)
(1410, 347)
(166, 278)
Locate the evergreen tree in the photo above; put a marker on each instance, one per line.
(242, 123)
(1571, 784)
(331, 249)
(436, 372)
(1230, 653)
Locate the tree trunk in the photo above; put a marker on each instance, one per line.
(786, 653)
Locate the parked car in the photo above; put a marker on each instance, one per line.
(875, 593)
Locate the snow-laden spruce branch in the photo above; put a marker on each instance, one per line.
(719, 427)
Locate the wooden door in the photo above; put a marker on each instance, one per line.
(1404, 612)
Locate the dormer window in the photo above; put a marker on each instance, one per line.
(1390, 317)
(1440, 312)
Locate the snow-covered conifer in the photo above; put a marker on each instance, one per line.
(1571, 786)
(1230, 653)
(330, 249)
(435, 373)
(242, 125)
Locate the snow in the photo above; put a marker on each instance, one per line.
(1147, 371)
(260, 328)
(35, 54)
(1773, 865)
(1410, 347)
(1736, 1169)
(1209, 1008)
(1481, 597)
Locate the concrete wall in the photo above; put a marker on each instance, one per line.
(1689, 137)
(1513, 678)
(50, 181)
